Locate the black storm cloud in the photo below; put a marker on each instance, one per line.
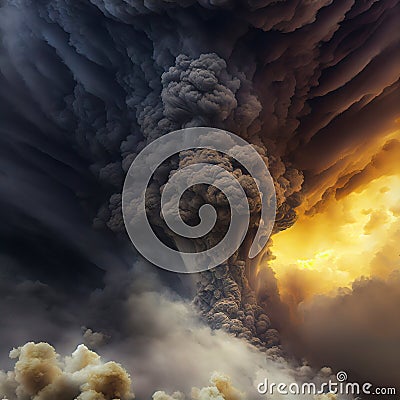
(85, 85)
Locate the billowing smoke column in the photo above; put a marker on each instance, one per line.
(107, 77)
(199, 92)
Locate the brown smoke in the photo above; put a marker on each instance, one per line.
(220, 389)
(40, 374)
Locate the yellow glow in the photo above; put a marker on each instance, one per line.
(355, 236)
(318, 262)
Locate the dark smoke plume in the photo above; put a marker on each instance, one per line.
(84, 86)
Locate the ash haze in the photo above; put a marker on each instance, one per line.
(85, 86)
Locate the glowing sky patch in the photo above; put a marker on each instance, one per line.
(354, 236)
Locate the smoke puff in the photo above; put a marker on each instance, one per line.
(221, 388)
(40, 374)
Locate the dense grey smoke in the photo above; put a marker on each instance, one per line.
(110, 76)
(109, 130)
(228, 301)
(157, 337)
(374, 301)
(84, 86)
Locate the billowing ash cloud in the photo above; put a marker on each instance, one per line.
(107, 76)
(149, 330)
(84, 86)
(41, 374)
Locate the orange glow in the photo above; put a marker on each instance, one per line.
(354, 236)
